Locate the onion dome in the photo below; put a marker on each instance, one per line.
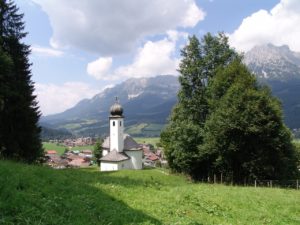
(116, 109)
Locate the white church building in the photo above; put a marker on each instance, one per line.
(119, 150)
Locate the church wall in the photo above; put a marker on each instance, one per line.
(104, 152)
(135, 159)
(109, 166)
(125, 165)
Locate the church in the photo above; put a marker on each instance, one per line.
(119, 150)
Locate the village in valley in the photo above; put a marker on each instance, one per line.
(118, 150)
(152, 157)
(84, 158)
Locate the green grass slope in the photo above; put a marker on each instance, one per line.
(61, 149)
(40, 195)
(145, 129)
(147, 140)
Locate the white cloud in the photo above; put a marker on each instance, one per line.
(115, 26)
(174, 35)
(100, 67)
(44, 51)
(54, 98)
(153, 58)
(192, 16)
(278, 26)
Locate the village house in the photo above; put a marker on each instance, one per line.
(150, 157)
(51, 152)
(82, 141)
(54, 160)
(73, 159)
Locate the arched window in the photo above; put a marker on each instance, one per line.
(120, 123)
(114, 123)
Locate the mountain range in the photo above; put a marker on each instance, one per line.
(147, 102)
(271, 62)
(279, 68)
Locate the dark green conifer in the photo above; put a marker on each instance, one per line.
(19, 129)
(98, 151)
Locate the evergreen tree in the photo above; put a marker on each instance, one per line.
(5, 72)
(98, 151)
(19, 129)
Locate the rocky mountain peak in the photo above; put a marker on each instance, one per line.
(273, 62)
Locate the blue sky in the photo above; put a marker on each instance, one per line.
(81, 47)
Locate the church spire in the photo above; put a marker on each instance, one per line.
(116, 109)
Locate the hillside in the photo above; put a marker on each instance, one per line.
(40, 195)
(51, 133)
(146, 101)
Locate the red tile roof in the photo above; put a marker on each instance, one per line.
(87, 151)
(152, 157)
(51, 152)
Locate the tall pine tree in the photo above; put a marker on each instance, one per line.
(19, 130)
(5, 71)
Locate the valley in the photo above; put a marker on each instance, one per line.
(148, 101)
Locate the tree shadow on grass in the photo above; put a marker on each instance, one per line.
(37, 195)
(130, 178)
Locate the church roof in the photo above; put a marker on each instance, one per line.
(115, 156)
(129, 143)
(105, 143)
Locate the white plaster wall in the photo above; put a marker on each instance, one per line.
(104, 152)
(111, 166)
(136, 159)
(116, 134)
(108, 166)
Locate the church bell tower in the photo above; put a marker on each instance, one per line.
(116, 124)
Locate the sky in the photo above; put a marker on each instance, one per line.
(79, 48)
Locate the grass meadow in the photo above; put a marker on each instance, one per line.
(147, 140)
(40, 195)
(145, 129)
(61, 149)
